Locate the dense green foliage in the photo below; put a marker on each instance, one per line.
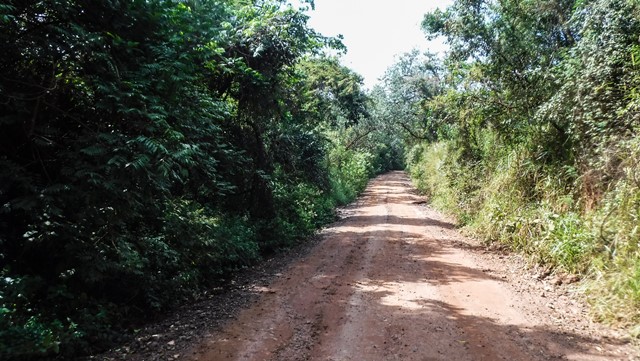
(149, 148)
(536, 141)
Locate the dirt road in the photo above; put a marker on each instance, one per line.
(394, 281)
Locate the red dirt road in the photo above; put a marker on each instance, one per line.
(393, 280)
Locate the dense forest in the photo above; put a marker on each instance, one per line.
(151, 148)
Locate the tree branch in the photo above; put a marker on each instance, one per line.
(354, 141)
(412, 133)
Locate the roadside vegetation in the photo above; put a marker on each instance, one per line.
(527, 131)
(150, 148)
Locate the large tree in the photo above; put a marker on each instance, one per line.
(147, 148)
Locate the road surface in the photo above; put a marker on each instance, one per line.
(393, 280)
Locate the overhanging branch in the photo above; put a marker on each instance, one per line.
(413, 133)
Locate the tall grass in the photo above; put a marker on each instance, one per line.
(544, 213)
(615, 288)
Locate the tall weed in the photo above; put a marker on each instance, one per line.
(508, 199)
(616, 223)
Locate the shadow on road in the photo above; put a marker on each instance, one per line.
(421, 290)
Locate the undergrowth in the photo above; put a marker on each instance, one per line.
(194, 249)
(545, 214)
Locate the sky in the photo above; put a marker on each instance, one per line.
(375, 31)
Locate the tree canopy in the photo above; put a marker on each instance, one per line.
(149, 148)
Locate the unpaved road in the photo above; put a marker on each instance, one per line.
(394, 281)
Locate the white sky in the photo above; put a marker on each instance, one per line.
(375, 30)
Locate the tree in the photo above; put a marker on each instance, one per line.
(142, 148)
(506, 51)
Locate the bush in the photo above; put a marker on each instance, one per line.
(349, 173)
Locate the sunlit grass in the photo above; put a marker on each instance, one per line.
(535, 212)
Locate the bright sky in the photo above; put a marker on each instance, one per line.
(375, 31)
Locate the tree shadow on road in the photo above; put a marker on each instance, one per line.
(402, 221)
(451, 331)
(425, 255)
(422, 261)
